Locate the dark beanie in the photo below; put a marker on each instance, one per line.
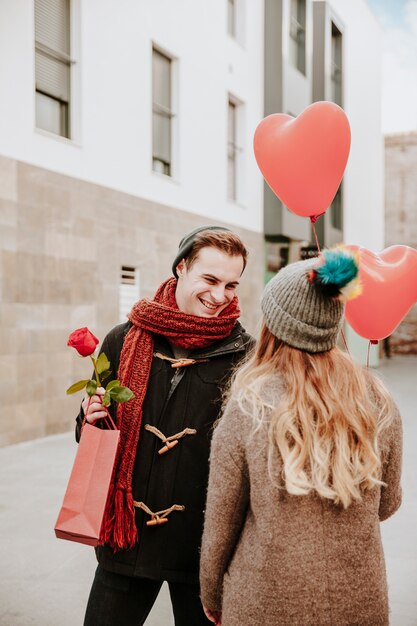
(187, 242)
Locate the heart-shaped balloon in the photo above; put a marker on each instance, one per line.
(389, 291)
(303, 159)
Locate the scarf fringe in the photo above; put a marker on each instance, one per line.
(119, 527)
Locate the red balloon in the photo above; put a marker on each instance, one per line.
(389, 291)
(303, 159)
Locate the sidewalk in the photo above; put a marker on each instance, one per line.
(45, 581)
(399, 533)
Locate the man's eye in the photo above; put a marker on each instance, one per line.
(210, 280)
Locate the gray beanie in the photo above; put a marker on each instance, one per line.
(187, 242)
(298, 312)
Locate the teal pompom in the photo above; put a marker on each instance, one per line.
(339, 268)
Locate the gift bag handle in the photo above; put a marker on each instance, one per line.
(108, 419)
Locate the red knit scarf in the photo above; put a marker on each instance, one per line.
(163, 317)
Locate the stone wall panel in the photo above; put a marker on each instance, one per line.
(62, 244)
(401, 218)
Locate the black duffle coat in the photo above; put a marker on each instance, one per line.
(187, 397)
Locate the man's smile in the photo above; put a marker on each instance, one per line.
(209, 305)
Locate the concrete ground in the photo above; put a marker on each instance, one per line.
(45, 581)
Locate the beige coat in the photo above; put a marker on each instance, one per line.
(270, 558)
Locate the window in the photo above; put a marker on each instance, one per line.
(129, 290)
(53, 66)
(161, 113)
(298, 34)
(336, 65)
(236, 20)
(308, 252)
(231, 152)
(277, 256)
(235, 161)
(231, 17)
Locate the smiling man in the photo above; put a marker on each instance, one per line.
(175, 353)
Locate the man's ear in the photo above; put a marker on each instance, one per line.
(180, 267)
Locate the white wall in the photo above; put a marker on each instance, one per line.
(364, 176)
(113, 128)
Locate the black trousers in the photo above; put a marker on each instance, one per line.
(117, 600)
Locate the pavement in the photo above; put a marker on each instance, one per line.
(45, 581)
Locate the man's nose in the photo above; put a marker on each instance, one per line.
(218, 293)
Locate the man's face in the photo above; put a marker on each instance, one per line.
(209, 285)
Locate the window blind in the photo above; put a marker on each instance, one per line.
(52, 48)
(129, 290)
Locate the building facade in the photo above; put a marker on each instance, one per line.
(315, 50)
(328, 50)
(401, 218)
(122, 127)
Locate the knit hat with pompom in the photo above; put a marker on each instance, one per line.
(303, 304)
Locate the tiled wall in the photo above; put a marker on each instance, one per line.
(62, 244)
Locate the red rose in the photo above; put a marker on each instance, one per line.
(83, 341)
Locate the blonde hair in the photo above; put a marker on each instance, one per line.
(327, 421)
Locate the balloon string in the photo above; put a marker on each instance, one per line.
(369, 352)
(313, 225)
(372, 342)
(313, 220)
(344, 340)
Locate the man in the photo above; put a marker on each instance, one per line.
(175, 353)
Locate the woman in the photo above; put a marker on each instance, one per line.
(305, 463)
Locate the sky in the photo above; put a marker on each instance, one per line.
(398, 19)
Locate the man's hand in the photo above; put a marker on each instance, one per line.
(95, 409)
(213, 616)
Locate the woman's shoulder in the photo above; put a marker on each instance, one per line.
(381, 398)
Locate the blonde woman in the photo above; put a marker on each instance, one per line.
(305, 463)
